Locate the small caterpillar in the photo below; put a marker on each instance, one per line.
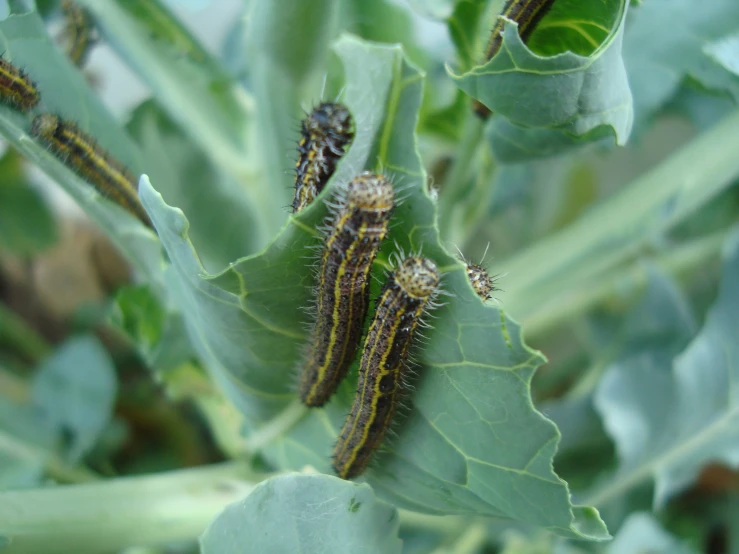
(77, 32)
(408, 292)
(325, 134)
(81, 152)
(351, 245)
(481, 281)
(16, 88)
(528, 14)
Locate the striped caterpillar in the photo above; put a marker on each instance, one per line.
(352, 241)
(82, 154)
(16, 88)
(325, 133)
(407, 294)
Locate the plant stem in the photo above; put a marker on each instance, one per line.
(113, 514)
(621, 225)
(277, 427)
(470, 541)
(439, 524)
(450, 196)
(16, 333)
(592, 292)
(480, 200)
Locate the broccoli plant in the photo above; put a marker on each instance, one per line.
(585, 393)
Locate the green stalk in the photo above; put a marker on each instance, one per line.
(590, 293)
(620, 226)
(451, 202)
(110, 515)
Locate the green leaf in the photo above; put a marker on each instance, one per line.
(513, 144)
(64, 90)
(659, 323)
(24, 444)
(75, 390)
(273, 34)
(26, 224)
(222, 221)
(669, 422)
(569, 82)
(642, 533)
(463, 23)
(664, 44)
(305, 513)
(472, 442)
(725, 52)
(158, 333)
(382, 21)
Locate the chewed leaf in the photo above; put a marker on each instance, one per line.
(669, 422)
(572, 84)
(471, 440)
(305, 513)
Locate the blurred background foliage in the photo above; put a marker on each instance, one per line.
(612, 223)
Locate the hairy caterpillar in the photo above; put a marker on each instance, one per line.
(527, 13)
(408, 292)
(351, 245)
(16, 88)
(481, 281)
(81, 152)
(325, 133)
(77, 32)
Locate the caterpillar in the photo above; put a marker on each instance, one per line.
(325, 133)
(407, 294)
(77, 32)
(528, 14)
(16, 88)
(82, 154)
(351, 245)
(481, 281)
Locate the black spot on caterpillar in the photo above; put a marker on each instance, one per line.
(16, 88)
(325, 133)
(408, 292)
(528, 14)
(82, 154)
(352, 241)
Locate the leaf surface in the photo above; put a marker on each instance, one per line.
(566, 86)
(665, 43)
(75, 391)
(669, 419)
(472, 441)
(305, 513)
